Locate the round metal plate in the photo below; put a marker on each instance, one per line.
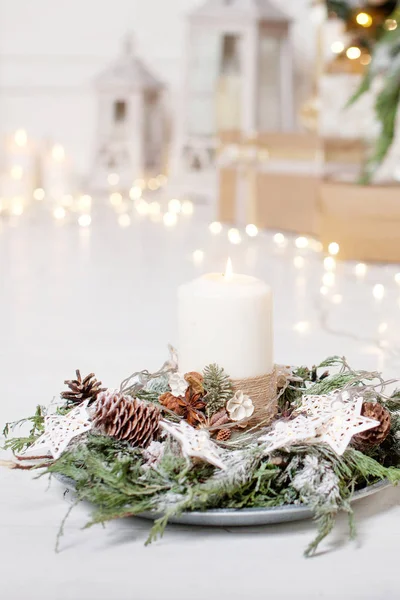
(231, 517)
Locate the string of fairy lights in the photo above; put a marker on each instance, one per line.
(354, 51)
(148, 199)
(382, 281)
(24, 185)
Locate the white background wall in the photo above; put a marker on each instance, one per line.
(50, 51)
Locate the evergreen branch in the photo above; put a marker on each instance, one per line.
(393, 403)
(369, 469)
(386, 108)
(18, 444)
(325, 523)
(341, 8)
(386, 62)
(37, 421)
(158, 529)
(218, 387)
(332, 361)
(362, 89)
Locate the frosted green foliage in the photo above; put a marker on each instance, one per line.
(158, 385)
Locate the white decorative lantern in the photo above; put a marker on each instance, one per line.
(239, 76)
(131, 130)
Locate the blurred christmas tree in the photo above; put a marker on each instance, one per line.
(376, 11)
(374, 30)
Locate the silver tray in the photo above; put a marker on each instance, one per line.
(232, 517)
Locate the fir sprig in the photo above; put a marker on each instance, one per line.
(218, 387)
(18, 444)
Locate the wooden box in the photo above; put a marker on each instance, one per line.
(363, 220)
(288, 202)
(274, 184)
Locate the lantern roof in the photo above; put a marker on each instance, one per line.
(128, 71)
(262, 10)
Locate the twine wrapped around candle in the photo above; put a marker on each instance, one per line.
(263, 392)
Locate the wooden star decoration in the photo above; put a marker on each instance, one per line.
(324, 405)
(331, 419)
(195, 443)
(339, 430)
(339, 416)
(59, 430)
(287, 433)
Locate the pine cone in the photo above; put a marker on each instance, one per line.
(377, 435)
(190, 407)
(128, 419)
(224, 435)
(80, 390)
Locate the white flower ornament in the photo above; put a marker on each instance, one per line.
(178, 384)
(240, 407)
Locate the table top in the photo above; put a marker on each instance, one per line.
(102, 299)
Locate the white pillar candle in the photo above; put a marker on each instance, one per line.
(226, 319)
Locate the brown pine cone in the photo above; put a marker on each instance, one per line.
(195, 381)
(127, 419)
(224, 435)
(377, 435)
(81, 390)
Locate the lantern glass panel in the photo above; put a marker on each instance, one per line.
(203, 76)
(152, 143)
(120, 111)
(229, 85)
(269, 91)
